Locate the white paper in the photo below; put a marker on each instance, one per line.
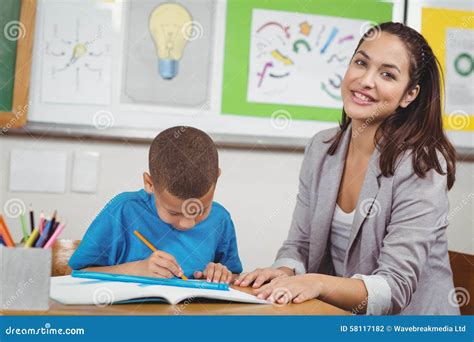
(76, 53)
(300, 59)
(85, 172)
(38, 171)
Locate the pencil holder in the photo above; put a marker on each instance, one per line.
(24, 278)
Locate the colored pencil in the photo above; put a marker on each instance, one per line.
(55, 235)
(5, 233)
(146, 242)
(33, 238)
(41, 224)
(23, 227)
(44, 235)
(32, 220)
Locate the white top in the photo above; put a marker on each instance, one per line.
(339, 238)
(379, 293)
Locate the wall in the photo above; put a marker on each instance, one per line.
(257, 187)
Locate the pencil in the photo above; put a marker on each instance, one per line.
(40, 226)
(32, 239)
(146, 242)
(23, 226)
(55, 235)
(32, 219)
(42, 239)
(7, 238)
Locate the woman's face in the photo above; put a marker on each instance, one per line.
(374, 85)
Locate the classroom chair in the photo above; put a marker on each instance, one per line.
(62, 251)
(463, 276)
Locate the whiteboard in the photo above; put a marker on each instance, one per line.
(107, 114)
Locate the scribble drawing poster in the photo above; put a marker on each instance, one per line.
(299, 59)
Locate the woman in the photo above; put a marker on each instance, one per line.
(369, 228)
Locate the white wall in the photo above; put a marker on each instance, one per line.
(257, 187)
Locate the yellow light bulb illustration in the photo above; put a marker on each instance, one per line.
(78, 51)
(169, 27)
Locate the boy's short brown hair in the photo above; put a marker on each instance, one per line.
(184, 161)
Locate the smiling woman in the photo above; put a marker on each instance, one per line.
(369, 228)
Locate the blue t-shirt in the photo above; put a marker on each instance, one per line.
(110, 239)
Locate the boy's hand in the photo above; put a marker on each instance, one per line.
(216, 273)
(161, 265)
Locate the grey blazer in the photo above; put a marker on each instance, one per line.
(398, 232)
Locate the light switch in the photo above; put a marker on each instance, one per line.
(85, 172)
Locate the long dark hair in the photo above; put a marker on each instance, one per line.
(419, 126)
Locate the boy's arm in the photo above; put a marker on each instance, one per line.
(135, 268)
(159, 264)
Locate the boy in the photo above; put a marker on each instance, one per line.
(175, 212)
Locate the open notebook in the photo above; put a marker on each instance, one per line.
(71, 290)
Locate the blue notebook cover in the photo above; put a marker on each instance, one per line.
(195, 284)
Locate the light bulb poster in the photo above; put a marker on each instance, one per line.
(76, 61)
(170, 26)
(452, 43)
(167, 52)
(296, 57)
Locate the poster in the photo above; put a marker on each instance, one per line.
(300, 59)
(245, 92)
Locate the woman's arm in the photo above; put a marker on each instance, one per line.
(346, 293)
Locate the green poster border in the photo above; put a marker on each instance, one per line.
(237, 49)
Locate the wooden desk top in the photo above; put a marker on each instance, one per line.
(195, 307)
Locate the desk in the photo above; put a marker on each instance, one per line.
(197, 307)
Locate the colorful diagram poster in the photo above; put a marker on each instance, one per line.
(299, 59)
(452, 42)
(292, 55)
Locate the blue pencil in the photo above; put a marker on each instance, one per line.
(44, 236)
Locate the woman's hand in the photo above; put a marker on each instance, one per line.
(262, 275)
(297, 289)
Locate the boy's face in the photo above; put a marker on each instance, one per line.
(181, 214)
